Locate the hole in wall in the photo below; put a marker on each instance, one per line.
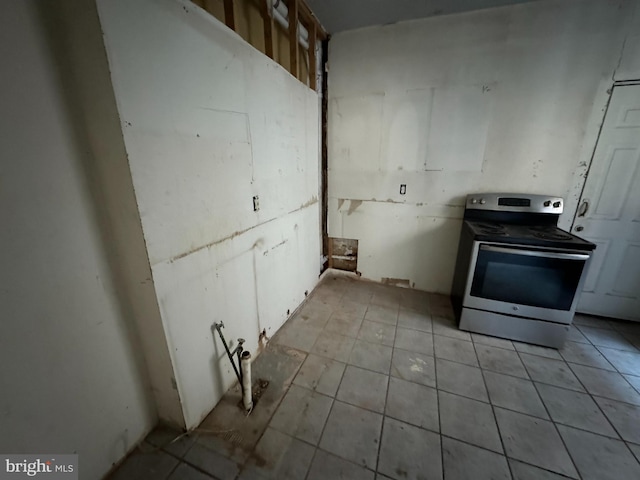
(343, 254)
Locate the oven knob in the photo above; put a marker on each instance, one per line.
(556, 204)
(482, 201)
(547, 203)
(474, 200)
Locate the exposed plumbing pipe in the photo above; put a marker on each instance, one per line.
(218, 327)
(244, 364)
(239, 350)
(280, 13)
(247, 398)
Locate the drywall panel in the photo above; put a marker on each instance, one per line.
(510, 100)
(356, 141)
(404, 140)
(458, 126)
(251, 283)
(402, 246)
(210, 123)
(78, 44)
(73, 376)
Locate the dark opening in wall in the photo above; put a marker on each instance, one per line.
(343, 254)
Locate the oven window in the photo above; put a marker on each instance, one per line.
(526, 280)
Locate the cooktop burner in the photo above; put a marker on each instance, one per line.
(491, 228)
(519, 219)
(536, 235)
(552, 235)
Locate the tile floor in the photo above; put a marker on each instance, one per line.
(376, 382)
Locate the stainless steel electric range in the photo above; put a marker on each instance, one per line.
(518, 275)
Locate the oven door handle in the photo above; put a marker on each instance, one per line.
(536, 253)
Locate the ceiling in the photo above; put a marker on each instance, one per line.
(340, 15)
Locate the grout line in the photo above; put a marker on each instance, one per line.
(452, 338)
(585, 392)
(551, 420)
(598, 348)
(493, 408)
(489, 370)
(435, 369)
(384, 416)
(313, 457)
(326, 420)
(589, 342)
(483, 371)
(555, 426)
(506, 457)
(333, 454)
(268, 424)
(590, 365)
(270, 417)
(620, 437)
(607, 398)
(173, 470)
(600, 395)
(198, 468)
(333, 403)
(335, 308)
(559, 475)
(635, 349)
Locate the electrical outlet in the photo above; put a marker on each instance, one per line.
(403, 189)
(256, 203)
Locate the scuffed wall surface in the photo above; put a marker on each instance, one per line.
(209, 123)
(73, 379)
(506, 99)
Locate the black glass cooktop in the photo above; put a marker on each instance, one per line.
(536, 235)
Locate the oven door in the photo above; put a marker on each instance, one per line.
(525, 281)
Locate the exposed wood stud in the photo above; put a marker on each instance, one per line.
(312, 55)
(307, 14)
(268, 28)
(293, 37)
(302, 15)
(229, 17)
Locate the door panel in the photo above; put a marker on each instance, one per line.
(630, 118)
(628, 279)
(602, 245)
(609, 212)
(615, 185)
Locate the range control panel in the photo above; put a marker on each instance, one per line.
(515, 202)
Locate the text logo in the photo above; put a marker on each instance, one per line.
(49, 467)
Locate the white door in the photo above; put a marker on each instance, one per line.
(609, 212)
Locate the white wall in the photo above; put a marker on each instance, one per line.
(506, 99)
(208, 123)
(72, 375)
(629, 67)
